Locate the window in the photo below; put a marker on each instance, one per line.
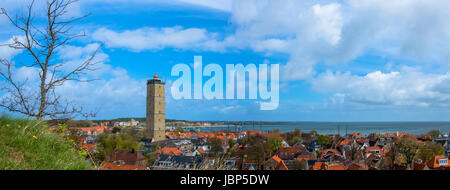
(443, 162)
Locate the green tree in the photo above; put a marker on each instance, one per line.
(231, 144)
(273, 143)
(428, 151)
(323, 140)
(215, 146)
(151, 157)
(180, 130)
(116, 130)
(110, 143)
(434, 133)
(276, 131)
(295, 140)
(408, 147)
(293, 137)
(256, 149)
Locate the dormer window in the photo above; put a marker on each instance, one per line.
(443, 162)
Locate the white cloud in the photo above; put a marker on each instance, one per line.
(407, 87)
(158, 38)
(6, 52)
(114, 87)
(315, 31)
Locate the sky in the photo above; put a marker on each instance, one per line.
(348, 60)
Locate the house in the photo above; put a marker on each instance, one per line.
(170, 151)
(327, 166)
(424, 137)
(374, 149)
(275, 163)
(124, 160)
(199, 152)
(447, 151)
(357, 166)
(334, 166)
(374, 160)
(383, 141)
(253, 132)
(249, 164)
(438, 162)
(313, 146)
(287, 153)
(231, 164)
(330, 154)
(211, 163)
(305, 155)
(171, 162)
(317, 166)
(420, 166)
(356, 136)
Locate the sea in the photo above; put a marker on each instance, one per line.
(341, 128)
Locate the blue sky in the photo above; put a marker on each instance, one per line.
(350, 60)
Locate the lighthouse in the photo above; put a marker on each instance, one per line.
(156, 116)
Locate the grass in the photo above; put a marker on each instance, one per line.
(29, 145)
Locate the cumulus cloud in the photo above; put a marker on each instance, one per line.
(114, 87)
(6, 52)
(158, 38)
(407, 87)
(337, 32)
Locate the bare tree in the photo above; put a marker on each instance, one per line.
(41, 42)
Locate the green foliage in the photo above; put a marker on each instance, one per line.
(294, 137)
(180, 130)
(151, 157)
(273, 143)
(276, 131)
(323, 140)
(295, 140)
(70, 123)
(109, 143)
(428, 151)
(434, 133)
(407, 146)
(29, 145)
(115, 130)
(231, 144)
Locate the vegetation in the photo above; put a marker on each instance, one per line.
(428, 151)
(180, 130)
(29, 145)
(276, 131)
(323, 140)
(408, 147)
(294, 137)
(258, 148)
(216, 147)
(273, 143)
(109, 143)
(70, 123)
(42, 42)
(434, 134)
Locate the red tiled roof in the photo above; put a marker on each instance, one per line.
(289, 152)
(114, 166)
(329, 150)
(170, 150)
(201, 150)
(317, 166)
(434, 163)
(334, 167)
